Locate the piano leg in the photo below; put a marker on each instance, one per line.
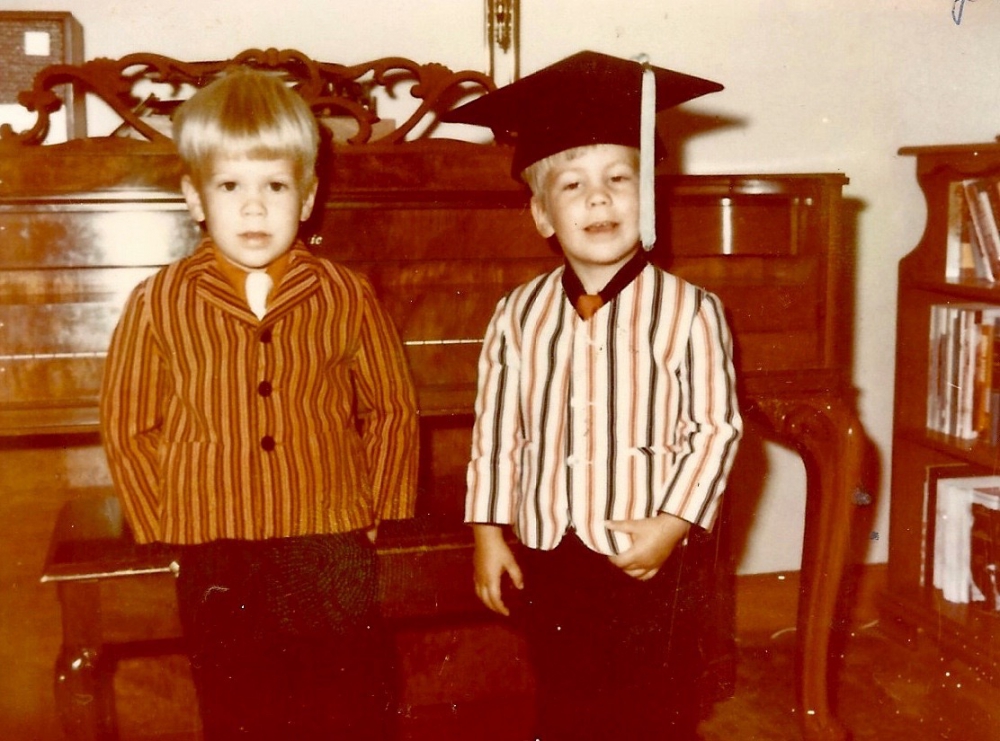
(826, 431)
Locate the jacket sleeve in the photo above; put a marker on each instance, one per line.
(494, 469)
(387, 413)
(130, 415)
(709, 425)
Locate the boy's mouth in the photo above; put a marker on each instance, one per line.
(601, 227)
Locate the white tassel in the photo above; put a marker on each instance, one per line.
(647, 156)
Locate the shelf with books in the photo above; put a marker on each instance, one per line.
(947, 403)
(963, 371)
(973, 241)
(958, 562)
(914, 605)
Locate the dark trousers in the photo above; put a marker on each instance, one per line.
(614, 657)
(285, 639)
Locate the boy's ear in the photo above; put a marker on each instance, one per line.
(308, 202)
(541, 216)
(193, 198)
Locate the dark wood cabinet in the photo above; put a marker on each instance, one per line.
(931, 275)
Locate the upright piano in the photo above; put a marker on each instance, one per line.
(442, 231)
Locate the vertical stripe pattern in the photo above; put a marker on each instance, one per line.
(623, 416)
(217, 425)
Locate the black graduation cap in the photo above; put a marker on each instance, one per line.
(587, 98)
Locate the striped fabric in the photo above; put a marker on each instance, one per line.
(622, 416)
(217, 425)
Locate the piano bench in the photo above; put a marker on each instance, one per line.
(91, 556)
(117, 601)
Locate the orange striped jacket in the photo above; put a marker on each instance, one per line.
(217, 425)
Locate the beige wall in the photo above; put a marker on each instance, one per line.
(814, 85)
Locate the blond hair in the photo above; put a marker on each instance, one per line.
(536, 173)
(247, 113)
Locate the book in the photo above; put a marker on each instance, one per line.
(975, 262)
(984, 552)
(963, 374)
(943, 373)
(929, 512)
(961, 259)
(968, 322)
(977, 324)
(974, 258)
(953, 520)
(935, 368)
(981, 402)
(953, 363)
(993, 434)
(986, 389)
(983, 219)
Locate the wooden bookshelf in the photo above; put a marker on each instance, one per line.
(928, 276)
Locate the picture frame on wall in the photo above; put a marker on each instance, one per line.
(29, 42)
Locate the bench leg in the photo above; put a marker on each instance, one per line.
(84, 674)
(84, 692)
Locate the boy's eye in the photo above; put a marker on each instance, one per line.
(571, 185)
(278, 186)
(228, 186)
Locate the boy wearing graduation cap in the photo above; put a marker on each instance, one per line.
(606, 414)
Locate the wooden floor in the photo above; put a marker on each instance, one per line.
(885, 691)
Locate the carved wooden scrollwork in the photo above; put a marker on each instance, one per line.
(330, 89)
(812, 423)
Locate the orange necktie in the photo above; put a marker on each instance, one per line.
(587, 304)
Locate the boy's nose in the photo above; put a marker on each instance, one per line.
(253, 205)
(598, 194)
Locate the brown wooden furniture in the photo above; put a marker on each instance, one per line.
(443, 232)
(910, 603)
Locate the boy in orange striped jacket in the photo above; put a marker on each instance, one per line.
(257, 412)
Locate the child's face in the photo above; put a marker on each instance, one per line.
(591, 203)
(251, 207)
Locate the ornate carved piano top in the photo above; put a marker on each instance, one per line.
(443, 231)
(134, 86)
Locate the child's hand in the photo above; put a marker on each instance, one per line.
(653, 540)
(493, 558)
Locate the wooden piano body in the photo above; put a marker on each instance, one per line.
(443, 231)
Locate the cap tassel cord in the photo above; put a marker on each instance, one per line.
(647, 146)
